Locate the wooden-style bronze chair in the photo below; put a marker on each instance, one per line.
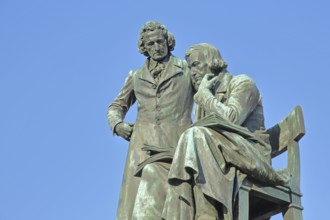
(259, 202)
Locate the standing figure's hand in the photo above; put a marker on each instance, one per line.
(208, 81)
(124, 130)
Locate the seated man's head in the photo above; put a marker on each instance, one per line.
(202, 59)
(155, 41)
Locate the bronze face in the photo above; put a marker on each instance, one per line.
(156, 45)
(198, 67)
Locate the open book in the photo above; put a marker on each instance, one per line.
(217, 123)
(160, 154)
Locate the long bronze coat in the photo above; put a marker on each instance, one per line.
(208, 159)
(164, 112)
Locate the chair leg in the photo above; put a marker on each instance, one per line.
(243, 203)
(293, 213)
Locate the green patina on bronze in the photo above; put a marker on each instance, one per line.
(175, 170)
(164, 101)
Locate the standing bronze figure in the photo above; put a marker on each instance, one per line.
(163, 91)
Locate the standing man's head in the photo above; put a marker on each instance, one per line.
(155, 41)
(202, 59)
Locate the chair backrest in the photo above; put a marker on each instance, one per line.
(292, 128)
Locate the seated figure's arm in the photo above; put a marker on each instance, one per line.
(242, 99)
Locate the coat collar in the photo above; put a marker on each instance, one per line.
(173, 67)
(223, 82)
(145, 74)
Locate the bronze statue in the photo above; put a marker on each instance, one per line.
(227, 142)
(228, 137)
(164, 95)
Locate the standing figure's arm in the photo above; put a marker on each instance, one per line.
(119, 107)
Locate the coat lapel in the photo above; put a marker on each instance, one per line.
(173, 67)
(146, 75)
(221, 87)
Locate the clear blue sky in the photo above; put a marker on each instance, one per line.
(63, 62)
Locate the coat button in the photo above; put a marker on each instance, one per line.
(154, 86)
(157, 120)
(158, 95)
(158, 108)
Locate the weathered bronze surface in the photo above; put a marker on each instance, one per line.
(175, 170)
(163, 90)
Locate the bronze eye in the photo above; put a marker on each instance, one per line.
(194, 64)
(160, 41)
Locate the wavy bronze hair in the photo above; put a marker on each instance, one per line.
(152, 26)
(212, 56)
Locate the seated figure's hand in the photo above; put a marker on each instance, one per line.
(208, 81)
(124, 130)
